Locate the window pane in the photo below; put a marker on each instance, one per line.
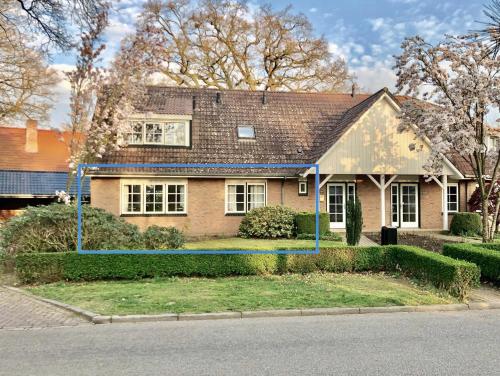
(236, 198)
(256, 196)
(246, 132)
(175, 198)
(133, 198)
(175, 134)
(154, 198)
(135, 136)
(154, 133)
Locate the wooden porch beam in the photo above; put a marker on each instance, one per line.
(325, 180)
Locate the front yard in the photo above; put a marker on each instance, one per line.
(197, 295)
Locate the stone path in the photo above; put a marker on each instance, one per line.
(19, 311)
(486, 294)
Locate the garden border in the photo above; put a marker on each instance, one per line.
(81, 251)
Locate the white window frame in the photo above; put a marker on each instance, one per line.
(245, 183)
(154, 202)
(245, 127)
(143, 183)
(164, 121)
(154, 123)
(337, 225)
(448, 197)
(305, 192)
(133, 124)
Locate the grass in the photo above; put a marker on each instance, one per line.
(181, 295)
(257, 244)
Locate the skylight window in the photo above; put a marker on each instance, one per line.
(246, 132)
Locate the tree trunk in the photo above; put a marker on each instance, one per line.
(484, 213)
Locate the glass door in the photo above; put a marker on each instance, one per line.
(336, 205)
(409, 205)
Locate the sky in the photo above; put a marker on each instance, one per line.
(366, 33)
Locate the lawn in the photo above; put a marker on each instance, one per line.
(257, 244)
(181, 295)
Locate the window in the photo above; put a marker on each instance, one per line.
(395, 204)
(303, 188)
(154, 197)
(135, 136)
(245, 196)
(154, 133)
(175, 198)
(236, 198)
(452, 191)
(256, 196)
(246, 132)
(351, 192)
(175, 134)
(132, 198)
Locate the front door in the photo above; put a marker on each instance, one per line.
(336, 205)
(409, 205)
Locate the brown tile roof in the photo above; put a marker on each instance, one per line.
(52, 152)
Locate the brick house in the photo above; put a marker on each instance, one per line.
(353, 138)
(33, 165)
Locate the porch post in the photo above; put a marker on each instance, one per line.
(444, 188)
(382, 200)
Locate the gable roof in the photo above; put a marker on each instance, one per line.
(52, 154)
(290, 127)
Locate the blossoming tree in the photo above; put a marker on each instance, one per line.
(462, 80)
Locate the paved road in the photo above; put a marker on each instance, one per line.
(20, 311)
(446, 343)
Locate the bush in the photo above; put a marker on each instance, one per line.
(354, 222)
(488, 260)
(269, 222)
(156, 237)
(331, 236)
(49, 267)
(454, 276)
(466, 224)
(53, 228)
(306, 223)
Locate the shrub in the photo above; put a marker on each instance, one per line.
(454, 276)
(53, 228)
(306, 223)
(156, 237)
(466, 224)
(49, 267)
(354, 222)
(488, 260)
(331, 236)
(268, 222)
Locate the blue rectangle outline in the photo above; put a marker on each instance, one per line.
(81, 251)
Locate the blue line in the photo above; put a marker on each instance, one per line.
(192, 252)
(79, 209)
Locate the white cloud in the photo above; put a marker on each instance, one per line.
(374, 77)
(313, 10)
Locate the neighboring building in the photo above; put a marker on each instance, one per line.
(33, 165)
(353, 138)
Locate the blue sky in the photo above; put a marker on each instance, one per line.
(366, 33)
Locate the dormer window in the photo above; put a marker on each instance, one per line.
(246, 132)
(165, 132)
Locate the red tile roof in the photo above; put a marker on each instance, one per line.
(52, 152)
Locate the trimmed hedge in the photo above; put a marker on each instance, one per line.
(454, 276)
(306, 223)
(331, 236)
(466, 224)
(487, 259)
(268, 222)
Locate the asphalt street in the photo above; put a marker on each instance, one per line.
(441, 343)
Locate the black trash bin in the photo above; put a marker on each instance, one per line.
(389, 235)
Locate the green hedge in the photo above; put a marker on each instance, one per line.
(330, 236)
(466, 224)
(487, 259)
(454, 276)
(306, 223)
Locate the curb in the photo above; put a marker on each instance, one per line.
(101, 319)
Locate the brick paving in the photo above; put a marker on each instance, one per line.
(18, 311)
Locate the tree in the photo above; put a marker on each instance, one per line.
(354, 221)
(53, 21)
(463, 81)
(26, 81)
(222, 44)
(491, 31)
(101, 99)
(493, 202)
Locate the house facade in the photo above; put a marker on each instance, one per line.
(353, 139)
(33, 166)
